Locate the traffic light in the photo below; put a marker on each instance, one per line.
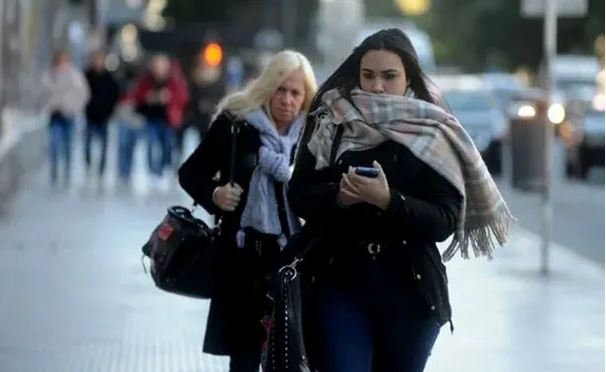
(213, 54)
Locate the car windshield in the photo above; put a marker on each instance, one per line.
(573, 85)
(596, 117)
(467, 100)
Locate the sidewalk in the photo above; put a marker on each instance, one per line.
(75, 298)
(509, 318)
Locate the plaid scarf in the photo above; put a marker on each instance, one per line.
(434, 136)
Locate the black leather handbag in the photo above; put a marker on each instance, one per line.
(284, 350)
(182, 252)
(182, 248)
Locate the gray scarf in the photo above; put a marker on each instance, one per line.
(261, 209)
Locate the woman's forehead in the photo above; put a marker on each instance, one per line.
(381, 60)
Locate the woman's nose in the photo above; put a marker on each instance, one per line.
(287, 100)
(377, 87)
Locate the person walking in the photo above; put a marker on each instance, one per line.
(266, 119)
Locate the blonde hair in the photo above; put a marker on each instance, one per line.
(259, 91)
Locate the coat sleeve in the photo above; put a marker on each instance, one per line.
(311, 193)
(197, 174)
(432, 217)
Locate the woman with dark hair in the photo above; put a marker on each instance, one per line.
(380, 293)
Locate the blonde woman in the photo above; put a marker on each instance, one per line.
(267, 117)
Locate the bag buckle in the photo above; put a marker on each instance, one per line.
(373, 249)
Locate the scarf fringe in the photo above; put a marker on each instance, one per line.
(482, 239)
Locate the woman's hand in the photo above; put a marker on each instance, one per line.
(346, 197)
(373, 191)
(227, 197)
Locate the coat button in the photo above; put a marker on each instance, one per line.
(418, 276)
(404, 242)
(340, 162)
(432, 307)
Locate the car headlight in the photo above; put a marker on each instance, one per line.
(526, 111)
(598, 102)
(556, 113)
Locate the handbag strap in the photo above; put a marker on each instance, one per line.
(334, 148)
(313, 242)
(235, 129)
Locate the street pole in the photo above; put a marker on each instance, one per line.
(2, 59)
(93, 13)
(550, 34)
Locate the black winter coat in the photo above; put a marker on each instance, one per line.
(234, 320)
(423, 210)
(104, 95)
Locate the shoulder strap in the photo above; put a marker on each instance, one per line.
(320, 235)
(335, 144)
(235, 129)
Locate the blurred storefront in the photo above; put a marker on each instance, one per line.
(29, 30)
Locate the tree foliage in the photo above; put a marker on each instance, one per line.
(492, 32)
(476, 34)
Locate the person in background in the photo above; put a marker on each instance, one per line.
(206, 88)
(65, 94)
(104, 94)
(130, 123)
(160, 98)
(267, 118)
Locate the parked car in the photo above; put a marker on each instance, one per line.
(583, 136)
(486, 123)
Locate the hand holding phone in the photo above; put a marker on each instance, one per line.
(370, 172)
(365, 184)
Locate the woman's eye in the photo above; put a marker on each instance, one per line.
(390, 76)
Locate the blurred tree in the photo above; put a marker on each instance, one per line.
(256, 13)
(477, 31)
(188, 11)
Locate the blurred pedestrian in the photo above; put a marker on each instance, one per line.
(130, 123)
(380, 290)
(266, 119)
(104, 94)
(160, 98)
(206, 88)
(65, 94)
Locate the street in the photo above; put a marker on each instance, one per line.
(75, 296)
(578, 210)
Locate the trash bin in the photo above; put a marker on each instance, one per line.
(528, 141)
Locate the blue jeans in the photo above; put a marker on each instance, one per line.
(100, 131)
(60, 145)
(373, 325)
(160, 138)
(127, 140)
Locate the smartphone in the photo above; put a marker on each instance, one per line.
(370, 172)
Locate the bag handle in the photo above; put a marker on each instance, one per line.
(333, 157)
(235, 129)
(334, 148)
